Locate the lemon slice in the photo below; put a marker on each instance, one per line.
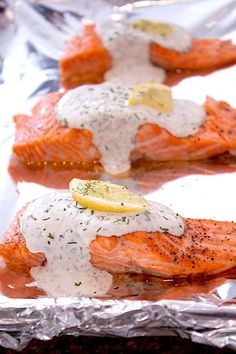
(152, 94)
(104, 196)
(158, 28)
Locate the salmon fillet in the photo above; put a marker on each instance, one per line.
(205, 54)
(14, 251)
(85, 59)
(214, 137)
(39, 138)
(207, 247)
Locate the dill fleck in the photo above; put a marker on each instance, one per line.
(117, 220)
(78, 284)
(72, 243)
(81, 210)
(50, 236)
(98, 229)
(33, 217)
(86, 188)
(164, 229)
(65, 122)
(137, 116)
(46, 219)
(101, 217)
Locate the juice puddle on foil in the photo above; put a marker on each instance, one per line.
(144, 176)
(128, 286)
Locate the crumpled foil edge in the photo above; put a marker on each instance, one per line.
(22, 320)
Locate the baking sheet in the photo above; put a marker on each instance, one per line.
(33, 32)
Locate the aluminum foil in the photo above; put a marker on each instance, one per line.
(32, 34)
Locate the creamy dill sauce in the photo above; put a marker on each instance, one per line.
(54, 225)
(129, 48)
(103, 109)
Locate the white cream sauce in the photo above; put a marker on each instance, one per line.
(130, 52)
(103, 109)
(54, 225)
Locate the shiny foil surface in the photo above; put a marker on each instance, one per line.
(32, 34)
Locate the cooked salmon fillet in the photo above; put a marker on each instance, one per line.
(215, 136)
(39, 138)
(206, 247)
(205, 54)
(14, 251)
(85, 59)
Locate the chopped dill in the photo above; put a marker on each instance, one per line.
(164, 229)
(78, 284)
(50, 236)
(33, 217)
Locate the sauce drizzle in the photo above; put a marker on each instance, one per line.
(103, 109)
(55, 225)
